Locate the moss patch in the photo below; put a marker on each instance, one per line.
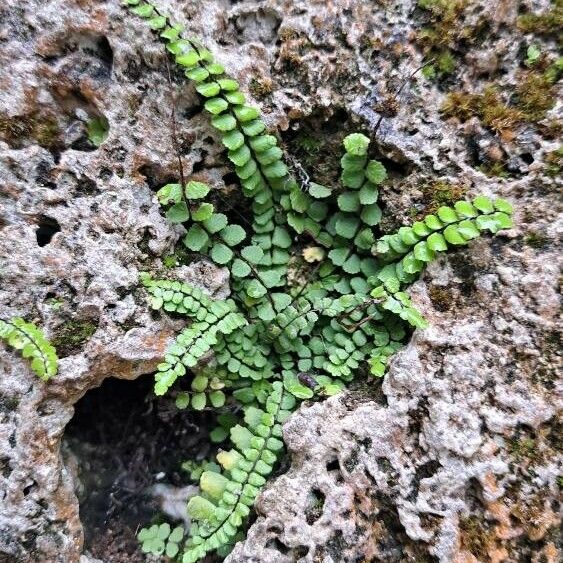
(554, 162)
(441, 193)
(476, 537)
(41, 129)
(548, 23)
(534, 97)
(71, 335)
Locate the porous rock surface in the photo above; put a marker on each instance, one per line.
(455, 458)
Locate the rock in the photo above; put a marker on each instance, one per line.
(456, 457)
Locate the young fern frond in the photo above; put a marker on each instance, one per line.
(283, 336)
(30, 340)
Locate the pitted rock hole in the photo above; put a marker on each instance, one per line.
(46, 230)
(121, 442)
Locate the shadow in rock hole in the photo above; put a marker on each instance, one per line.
(123, 440)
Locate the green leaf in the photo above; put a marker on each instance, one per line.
(281, 238)
(158, 22)
(368, 194)
(433, 222)
(196, 238)
(453, 236)
(233, 234)
(224, 122)
(356, 144)
(436, 242)
(352, 179)
(240, 269)
(98, 130)
(318, 191)
(189, 59)
(216, 105)
(465, 209)
(246, 113)
(240, 156)
(352, 162)
(349, 201)
(221, 254)
(447, 215)
(199, 400)
(252, 254)
(208, 89)
(263, 142)
(375, 172)
(347, 226)
(233, 139)
(371, 214)
(269, 156)
(423, 252)
(215, 223)
(468, 230)
(170, 193)
(339, 255)
(203, 212)
(255, 289)
(178, 213)
(182, 401)
(144, 10)
(236, 98)
(196, 190)
(253, 128)
(198, 74)
(228, 84)
(503, 205)
(483, 204)
(215, 68)
(275, 170)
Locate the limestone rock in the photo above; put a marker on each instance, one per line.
(455, 457)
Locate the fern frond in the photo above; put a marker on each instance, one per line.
(30, 340)
(227, 497)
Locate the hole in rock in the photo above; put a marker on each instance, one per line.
(315, 509)
(122, 442)
(278, 546)
(46, 229)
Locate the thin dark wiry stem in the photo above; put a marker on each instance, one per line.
(400, 89)
(175, 143)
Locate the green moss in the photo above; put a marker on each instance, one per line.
(16, 130)
(536, 240)
(487, 106)
(535, 96)
(554, 162)
(71, 335)
(261, 87)
(494, 170)
(548, 23)
(476, 537)
(522, 448)
(441, 297)
(441, 193)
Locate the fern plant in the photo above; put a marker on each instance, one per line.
(317, 293)
(29, 339)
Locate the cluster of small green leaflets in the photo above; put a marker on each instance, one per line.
(275, 341)
(161, 539)
(227, 497)
(29, 338)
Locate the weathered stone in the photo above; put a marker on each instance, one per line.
(457, 459)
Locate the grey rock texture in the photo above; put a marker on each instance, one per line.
(455, 458)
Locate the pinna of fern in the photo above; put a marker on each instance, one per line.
(30, 340)
(276, 341)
